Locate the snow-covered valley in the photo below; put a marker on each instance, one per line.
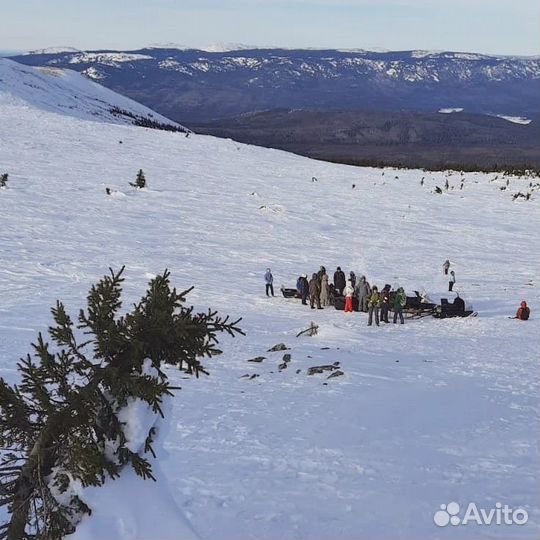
(426, 413)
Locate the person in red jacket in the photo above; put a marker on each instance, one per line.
(523, 312)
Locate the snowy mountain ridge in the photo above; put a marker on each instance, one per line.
(193, 85)
(68, 92)
(412, 66)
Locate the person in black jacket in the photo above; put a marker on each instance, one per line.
(385, 303)
(339, 280)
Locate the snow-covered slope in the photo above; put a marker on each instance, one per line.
(426, 413)
(70, 93)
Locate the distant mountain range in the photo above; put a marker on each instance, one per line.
(190, 85)
(347, 105)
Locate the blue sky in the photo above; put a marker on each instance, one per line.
(489, 26)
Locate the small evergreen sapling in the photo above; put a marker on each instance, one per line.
(140, 181)
(62, 423)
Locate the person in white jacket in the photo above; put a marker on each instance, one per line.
(348, 293)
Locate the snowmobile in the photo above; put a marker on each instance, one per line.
(455, 309)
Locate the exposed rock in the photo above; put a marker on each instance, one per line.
(321, 369)
(247, 375)
(282, 366)
(279, 347)
(257, 359)
(337, 373)
(286, 357)
(298, 371)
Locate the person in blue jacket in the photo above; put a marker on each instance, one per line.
(302, 286)
(269, 281)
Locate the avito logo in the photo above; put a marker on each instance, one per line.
(449, 514)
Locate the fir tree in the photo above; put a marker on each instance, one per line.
(3, 180)
(140, 181)
(56, 425)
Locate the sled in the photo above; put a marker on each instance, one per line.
(289, 293)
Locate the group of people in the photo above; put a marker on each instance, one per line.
(321, 292)
(452, 278)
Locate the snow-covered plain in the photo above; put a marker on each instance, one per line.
(426, 413)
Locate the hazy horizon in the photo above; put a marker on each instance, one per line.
(241, 46)
(496, 27)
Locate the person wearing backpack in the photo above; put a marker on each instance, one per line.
(523, 312)
(399, 303)
(373, 306)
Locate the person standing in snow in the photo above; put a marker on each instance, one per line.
(314, 292)
(269, 281)
(399, 304)
(298, 285)
(352, 278)
(446, 267)
(304, 289)
(385, 303)
(331, 295)
(339, 280)
(373, 306)
(523, 312)
(302, 286)
(325, 294)
(363, 290)
(320, 273)
(348, 293)
(451, 281)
